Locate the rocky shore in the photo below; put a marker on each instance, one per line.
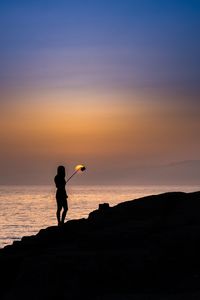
(143, 249)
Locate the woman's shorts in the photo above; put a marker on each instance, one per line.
(62, 203)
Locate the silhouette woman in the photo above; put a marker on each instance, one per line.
(61, 195)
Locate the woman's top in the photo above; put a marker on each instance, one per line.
(60, 185)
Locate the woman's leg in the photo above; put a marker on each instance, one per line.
(65, 209)
(59, 207)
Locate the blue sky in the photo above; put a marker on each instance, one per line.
(118, 43)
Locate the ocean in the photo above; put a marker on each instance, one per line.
(24, 210)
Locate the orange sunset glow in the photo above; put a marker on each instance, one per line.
(106, 129)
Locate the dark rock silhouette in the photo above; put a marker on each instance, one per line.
(143, 249)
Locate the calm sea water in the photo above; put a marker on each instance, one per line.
(24, 210)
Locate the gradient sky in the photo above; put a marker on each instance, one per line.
(112, 84)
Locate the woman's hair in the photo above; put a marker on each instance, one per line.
(61, 171)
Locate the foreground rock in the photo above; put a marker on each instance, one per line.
(143, 249)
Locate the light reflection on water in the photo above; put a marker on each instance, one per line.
(24, 210)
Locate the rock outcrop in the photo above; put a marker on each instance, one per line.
(143, 249)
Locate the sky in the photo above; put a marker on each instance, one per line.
(114, 85)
